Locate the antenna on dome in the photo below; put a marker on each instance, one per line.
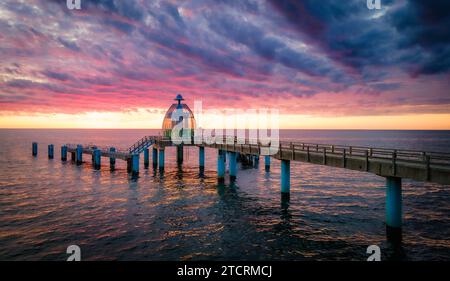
(179, 98)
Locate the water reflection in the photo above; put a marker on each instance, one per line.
(331, 214)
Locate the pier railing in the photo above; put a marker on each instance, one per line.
(414, 164)
(254, 146)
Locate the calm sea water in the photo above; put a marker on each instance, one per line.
(333, 214)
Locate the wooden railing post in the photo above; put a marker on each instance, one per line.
(394, 164)
(293, 151)
(366, 154)
(307, 154)
(343, 158)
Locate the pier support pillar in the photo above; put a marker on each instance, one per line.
(112, 160)
(201, 158)
(161, 159)
(155, 157)
(64, 153)
(285, 176)
(393, 207)
(267, 163)
(34, 148)
(73, 156)
(129, 165)
(79, 154)
(146, 158)
(233, 165)
(220, 165)
(180, 154)
(97, 159)
(93, 155)
(51, 151)
(256, 161)
(135, 166)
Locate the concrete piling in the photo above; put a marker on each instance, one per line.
(34, 148)
(201, 159)
(97, 159)
(79, 154)
(285, 176)
(50, 151)
(161, 159)
(220, 165)
(129, 165)
(233, 165)
(135, 166)
(64, 153)
(394, 202)
(201, 156)
(112, 160)
(146, 158)
(267, 163)
(155, 157)
(180, 154)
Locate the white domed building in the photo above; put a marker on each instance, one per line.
(178, 113)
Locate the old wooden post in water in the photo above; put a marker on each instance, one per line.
(34, 148)
(112, 160)
(64, 153)
(51, 151)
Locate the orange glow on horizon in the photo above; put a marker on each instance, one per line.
(146, 120)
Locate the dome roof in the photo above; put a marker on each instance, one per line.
(176, 113)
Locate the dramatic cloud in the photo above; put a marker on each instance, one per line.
(304, 57)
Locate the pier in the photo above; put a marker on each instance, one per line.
(392, 164)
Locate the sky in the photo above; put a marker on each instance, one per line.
(326, 64)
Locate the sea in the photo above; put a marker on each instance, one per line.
(332, 213)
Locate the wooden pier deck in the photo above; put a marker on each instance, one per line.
(417, 165)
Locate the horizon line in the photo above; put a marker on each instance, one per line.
(305, 129)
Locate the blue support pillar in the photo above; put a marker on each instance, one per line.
(285, 176)
(112, 160)
(146, 158)
(180, 154)
(155, 156)
(64, 153)
(267, 163)
(161, 159)
(201, 156)
(51, 151)
(233, 165)
(394, 202)
(221, 165)
(79, 154)
(135, 166)
(93, 156)
(35, 148)
(201, 159)
(97, 159)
